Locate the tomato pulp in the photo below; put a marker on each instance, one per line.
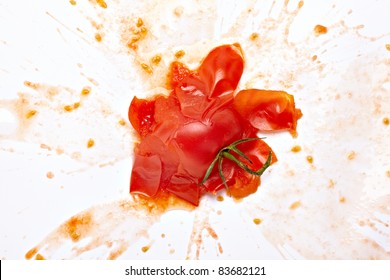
(181, 134)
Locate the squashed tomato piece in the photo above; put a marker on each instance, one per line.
(141, 115)
(221, 70)
(181, 134)
(268, 110)
(146, 175)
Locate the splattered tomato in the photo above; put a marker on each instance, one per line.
(202, 137)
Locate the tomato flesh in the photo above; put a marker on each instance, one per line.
(181, 134)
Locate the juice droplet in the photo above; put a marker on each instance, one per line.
(178, 11)
(257, 221)
(39, 257)
(295, 205)
(320, 30)
(68, 108)
(31, 253)
(90, 143)
(31, 114)
(351, 155)
(140, 22)
(146, 68)
(296, 149)
(145, 249)
(179, 54)
(98, 37)
(31, 85)
(102, 3)
(254, 36)
(86, 91)
(122, 122)
(156, 59)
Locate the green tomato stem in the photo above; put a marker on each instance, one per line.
(226, 153)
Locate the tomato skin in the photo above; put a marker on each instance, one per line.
(199, 142)
(217, 76)
(221, 70)
(190, 92)
(167, 117)
(184, 187)
(141, 115)
(167, 154)
(146, 175)
(268, 110)
(181, 134)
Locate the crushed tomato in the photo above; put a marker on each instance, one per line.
(180, 134)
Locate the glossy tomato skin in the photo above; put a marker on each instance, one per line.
(183, 186)
(200, 141)
(221, 70)
(146, 175)
(181, 134)
(268, 110)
